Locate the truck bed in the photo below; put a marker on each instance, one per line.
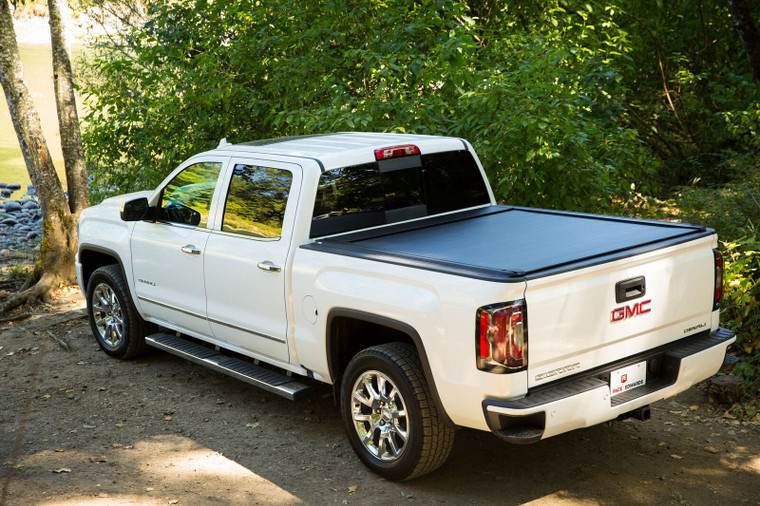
(507, 244)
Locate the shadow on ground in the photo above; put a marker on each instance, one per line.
(77, 427)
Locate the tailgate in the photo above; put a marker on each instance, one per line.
(575, 322)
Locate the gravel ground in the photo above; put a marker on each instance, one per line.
(78, 427)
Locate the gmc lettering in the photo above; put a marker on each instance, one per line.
(625, 312)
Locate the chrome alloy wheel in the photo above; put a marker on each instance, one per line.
(108, 316)
(380, 417)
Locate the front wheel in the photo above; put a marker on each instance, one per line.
(392, 421)
(118, 328)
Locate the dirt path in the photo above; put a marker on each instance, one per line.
(77, 427)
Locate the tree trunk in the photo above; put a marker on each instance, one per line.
(59, 229)
(68, 119)
(745, 27)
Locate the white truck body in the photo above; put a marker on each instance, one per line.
(291, 301)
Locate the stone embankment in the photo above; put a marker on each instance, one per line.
(20, 218)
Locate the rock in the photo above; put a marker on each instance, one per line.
(14, 186)
(3, 185)
(30, 187)
(31, 235)
(6, 193)
(30, 204)
(9, 222)
(726, 389)
(12, 206)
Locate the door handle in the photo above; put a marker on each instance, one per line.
(269, 266)
(191, 250)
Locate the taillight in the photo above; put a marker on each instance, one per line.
(718, 294)
(396, 151)
(502, 337)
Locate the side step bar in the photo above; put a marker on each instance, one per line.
(271, 381)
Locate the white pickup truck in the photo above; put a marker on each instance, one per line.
(381, 264)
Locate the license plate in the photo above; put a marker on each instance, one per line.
(628, 378)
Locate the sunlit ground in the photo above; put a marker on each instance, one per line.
(150, 473)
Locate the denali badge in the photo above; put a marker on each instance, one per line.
(625, 312)
(559, 370)
(695, 327)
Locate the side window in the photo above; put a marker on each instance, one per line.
(256, 201)
(187, 197)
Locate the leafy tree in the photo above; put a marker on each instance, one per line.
(539, 104)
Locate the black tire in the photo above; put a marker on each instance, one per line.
(385, 451)
(116, 324)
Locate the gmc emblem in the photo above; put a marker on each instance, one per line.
(625, 312)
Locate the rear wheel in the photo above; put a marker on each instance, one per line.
(392, 421)
(118, 328)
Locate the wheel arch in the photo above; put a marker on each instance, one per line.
(93, 257)
(342, 323)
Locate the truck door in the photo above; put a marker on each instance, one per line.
(167, 254)
(245, 260)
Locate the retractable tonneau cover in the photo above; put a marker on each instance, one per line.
(507, 244)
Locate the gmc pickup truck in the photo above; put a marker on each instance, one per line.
(382, 265)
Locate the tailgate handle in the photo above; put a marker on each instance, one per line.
(630, 289)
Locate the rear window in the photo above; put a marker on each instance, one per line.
(373, 194)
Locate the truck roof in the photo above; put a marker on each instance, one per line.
(341, 149)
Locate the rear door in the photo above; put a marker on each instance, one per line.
(596, 315)
(245, 258)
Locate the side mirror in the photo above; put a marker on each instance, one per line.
(135, 210)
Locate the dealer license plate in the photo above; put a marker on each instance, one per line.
(627, 378)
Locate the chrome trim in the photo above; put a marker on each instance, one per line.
(244, 236)
(169, 306)
(269, 266)
(259, 334)
(217, 232)
(190, 250)
(181, 225)
(211, 320)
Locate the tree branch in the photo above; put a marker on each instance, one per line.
(745, 27)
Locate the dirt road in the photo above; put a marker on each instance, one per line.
(77, 427)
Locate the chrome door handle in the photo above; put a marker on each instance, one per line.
(269, 266)
(191, 250)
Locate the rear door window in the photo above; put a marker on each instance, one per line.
(256, 201)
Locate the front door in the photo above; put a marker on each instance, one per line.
(167, 255)
(245, 261)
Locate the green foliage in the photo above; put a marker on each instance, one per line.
(741, 311)
(543, 107)
(690, 89)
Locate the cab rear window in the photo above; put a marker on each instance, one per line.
(378, 193)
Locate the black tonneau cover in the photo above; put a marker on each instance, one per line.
(503, 243)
